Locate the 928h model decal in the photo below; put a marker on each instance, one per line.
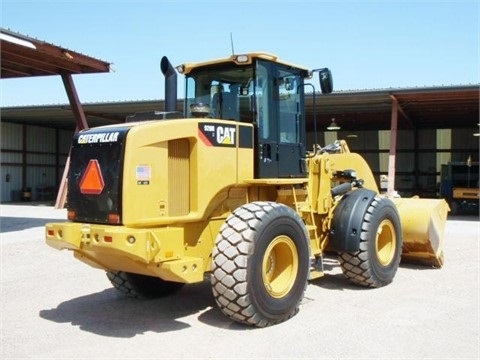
(217, 134)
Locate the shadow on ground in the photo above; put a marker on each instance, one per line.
(335, 280)
(109, 313)
(10, 223)
(464, 217)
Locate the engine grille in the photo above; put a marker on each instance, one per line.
(178, 177)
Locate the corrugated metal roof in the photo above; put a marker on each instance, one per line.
(433, 107)
(428, 108)
(24, 56)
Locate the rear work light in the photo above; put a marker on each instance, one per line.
(242, 58)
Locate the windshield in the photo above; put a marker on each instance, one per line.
(221, 93)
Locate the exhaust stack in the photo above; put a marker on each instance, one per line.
(170, 84)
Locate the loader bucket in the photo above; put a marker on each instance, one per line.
(423, 224)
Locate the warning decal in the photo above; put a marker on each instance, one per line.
(143, 174)
(92, 180)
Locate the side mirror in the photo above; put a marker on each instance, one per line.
(326, 81)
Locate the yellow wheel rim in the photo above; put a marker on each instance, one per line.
(385, 242)
(280, 266)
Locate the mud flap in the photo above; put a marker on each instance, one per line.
(423, 225)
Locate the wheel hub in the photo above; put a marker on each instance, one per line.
(280, 266)
(385, 242)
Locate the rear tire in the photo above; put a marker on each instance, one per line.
(376, 262)
(142, 286)
(260, 264)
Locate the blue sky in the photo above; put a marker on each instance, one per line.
(366, 44)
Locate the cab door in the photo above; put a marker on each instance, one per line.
(291, 123)
(280, 121)
(266, 129)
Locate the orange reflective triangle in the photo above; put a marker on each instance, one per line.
(92, 179)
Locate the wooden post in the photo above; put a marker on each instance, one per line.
(62, 191)
(81, 121)
(77, 108)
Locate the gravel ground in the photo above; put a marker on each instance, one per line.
(54, 307)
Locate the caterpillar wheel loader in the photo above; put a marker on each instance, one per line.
(228, 190)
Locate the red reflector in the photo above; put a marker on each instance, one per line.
(51, 232)
(107, 239)
(92, 180)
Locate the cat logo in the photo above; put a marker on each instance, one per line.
(218, 134)
(226, 135)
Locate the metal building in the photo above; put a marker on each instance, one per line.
(429, 126)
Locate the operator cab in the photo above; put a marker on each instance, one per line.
(257, 89)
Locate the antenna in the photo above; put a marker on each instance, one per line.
(231, 43)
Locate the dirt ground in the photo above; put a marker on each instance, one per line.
(54, 307)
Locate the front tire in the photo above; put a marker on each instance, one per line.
(376, 262)
(260, 264)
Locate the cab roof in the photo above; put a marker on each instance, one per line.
(239, 59)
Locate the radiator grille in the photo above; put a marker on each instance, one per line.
(178, 177)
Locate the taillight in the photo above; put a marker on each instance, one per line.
(113, 218)
(71, 215)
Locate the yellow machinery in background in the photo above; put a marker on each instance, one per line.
(229, 189)
(460, 186)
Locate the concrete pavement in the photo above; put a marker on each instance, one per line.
(54, 307)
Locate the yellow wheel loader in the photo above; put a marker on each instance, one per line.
(228, 190)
